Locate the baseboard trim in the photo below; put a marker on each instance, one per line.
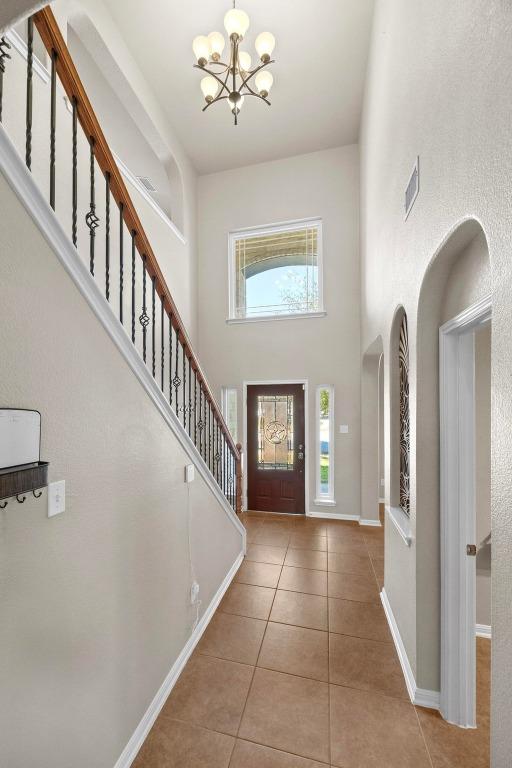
(419, 696)
(138, 737)
(483, 630)
(331, 515)
(374, 523)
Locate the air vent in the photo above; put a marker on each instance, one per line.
(146, 183)
(413, 187)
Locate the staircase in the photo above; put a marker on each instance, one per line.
(110, 239)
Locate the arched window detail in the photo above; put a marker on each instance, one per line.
(403, 365)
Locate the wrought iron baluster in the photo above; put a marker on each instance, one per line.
(144, 317)
(153, 312)
(184, 405)
(74, 175)
(195, 409)
(176, 381)
(133, 285)
(53, 117)
(210, 436)
(4, 47)
(107, 236)
(121, 261)
(91, 219)
(28, 109)
(162, 342)
(200, 422)
(170, 359)
(189, 398)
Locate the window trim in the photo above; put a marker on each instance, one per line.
(328, 498)
(225, 391)
(286, 226)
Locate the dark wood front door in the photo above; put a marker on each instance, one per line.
(275, 448)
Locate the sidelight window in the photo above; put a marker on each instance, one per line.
(276, 271)
(325, 444)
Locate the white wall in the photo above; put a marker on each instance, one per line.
(95, 603)
(321, 350)
(438, 87)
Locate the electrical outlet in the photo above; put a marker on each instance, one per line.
(194, 593)
(56, 498)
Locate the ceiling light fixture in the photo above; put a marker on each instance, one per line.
(233, 81)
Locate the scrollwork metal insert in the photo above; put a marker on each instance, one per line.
(403, 364)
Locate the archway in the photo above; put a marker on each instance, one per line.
(458, 276)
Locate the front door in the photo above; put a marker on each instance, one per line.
(275, 448)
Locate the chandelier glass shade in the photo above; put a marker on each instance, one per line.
(233, 79)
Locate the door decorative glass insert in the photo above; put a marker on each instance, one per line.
(275, 432)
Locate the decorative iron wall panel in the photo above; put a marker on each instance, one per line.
(403, 363)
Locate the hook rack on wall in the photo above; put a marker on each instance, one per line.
(21, 468)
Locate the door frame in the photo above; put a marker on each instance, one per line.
(274, 382)
(457, 512)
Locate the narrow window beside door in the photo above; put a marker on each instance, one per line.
(325, 445)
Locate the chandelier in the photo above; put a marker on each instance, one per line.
(234, 80)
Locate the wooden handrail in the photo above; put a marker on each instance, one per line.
(51, 36)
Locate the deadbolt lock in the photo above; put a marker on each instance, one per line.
(471, 550)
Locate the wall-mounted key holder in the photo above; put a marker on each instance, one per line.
(21, 468)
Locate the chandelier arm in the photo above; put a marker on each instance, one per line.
(214, 101)
(223, 84)
(255, 71)
(258, 96)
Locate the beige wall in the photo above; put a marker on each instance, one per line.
(438, 87)
(94, 603)
(321, 350)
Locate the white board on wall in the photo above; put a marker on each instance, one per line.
(20, 433)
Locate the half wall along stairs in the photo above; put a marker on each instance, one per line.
(107, 232)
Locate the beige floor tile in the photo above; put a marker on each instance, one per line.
(371, 731)
(259, 574)
(248, 600)
(378, 568)
(231, 637)
(375, 549)
(249, 755)
(353, 586)
(357, 547)
(299, 609)
(262, 553)
(303, 580)
(349, 563)
(267, 535)
(210, 693)
(305, 558)
(453, 747)
(288, 713)
(310, 525)
(308, 541)
(173, 744)
(366, 664)
(349, 617)
(295, 650)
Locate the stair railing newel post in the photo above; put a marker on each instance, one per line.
(239, 479)
(205, 424)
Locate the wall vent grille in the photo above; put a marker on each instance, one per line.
(413, 187)
(146, 182)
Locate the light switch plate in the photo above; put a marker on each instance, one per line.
(56, 498)
(343, 429)
(189, 473)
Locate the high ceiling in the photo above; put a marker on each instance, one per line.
(321, 54)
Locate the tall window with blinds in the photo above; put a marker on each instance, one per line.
(276, 271)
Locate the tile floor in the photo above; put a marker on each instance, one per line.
(297, 668)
